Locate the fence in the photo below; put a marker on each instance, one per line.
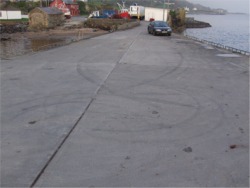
(234, 50)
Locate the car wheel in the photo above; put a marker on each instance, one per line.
(148, 31)
(169, 34)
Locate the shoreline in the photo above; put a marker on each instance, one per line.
(62, 37)
(21, 43)
(227, 32)
(218, 45)
(18, 44)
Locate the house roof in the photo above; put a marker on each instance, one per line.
(69, 2)
(50, 10)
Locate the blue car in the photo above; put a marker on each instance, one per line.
(159, 28)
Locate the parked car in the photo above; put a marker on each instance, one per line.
(159, 28)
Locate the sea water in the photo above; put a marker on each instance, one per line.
(231, 30)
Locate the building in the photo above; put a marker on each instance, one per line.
(67, 5)
(10, 13)
(156, 14)
(45, 17)
(73, 7)
(187, 9)
(62, 6)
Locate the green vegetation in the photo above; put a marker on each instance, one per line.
(105, 24)
(82, 8)
(17, 20)
(101, 5)
(177, 20)
(14, 21)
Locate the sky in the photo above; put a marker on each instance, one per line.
(241, 6)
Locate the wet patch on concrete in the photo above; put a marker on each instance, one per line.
(32, 122)
(14, 79)
(241, 130)
(155, 112)
(235, 146)
(48, 68)
(188, 149)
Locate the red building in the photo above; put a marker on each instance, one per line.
(73, 7)
(69, 7)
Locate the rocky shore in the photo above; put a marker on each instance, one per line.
(192, 23)
(19, 43)
(18, 39)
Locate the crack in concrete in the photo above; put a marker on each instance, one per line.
(81, 116)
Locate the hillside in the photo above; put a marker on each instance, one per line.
(174, 4)
(155, 3)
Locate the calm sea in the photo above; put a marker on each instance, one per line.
(230, 30)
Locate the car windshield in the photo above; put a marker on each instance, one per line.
(161, 24)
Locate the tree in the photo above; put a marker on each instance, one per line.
(82, 8)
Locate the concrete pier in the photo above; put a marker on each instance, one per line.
(126, 109)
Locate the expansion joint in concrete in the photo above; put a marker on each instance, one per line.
(81, 116)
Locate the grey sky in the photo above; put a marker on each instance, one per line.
(230, 5)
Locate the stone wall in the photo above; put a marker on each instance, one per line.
(110, 24)
(37, 20)
(54, 20)
(40, 19)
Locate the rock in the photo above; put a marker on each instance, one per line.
(197, 24)
(4, 37)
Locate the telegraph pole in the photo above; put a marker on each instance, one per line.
(168, 7)
(164, 9)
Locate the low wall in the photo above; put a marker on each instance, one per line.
(111, 24)
(234, 50)
(128, 25)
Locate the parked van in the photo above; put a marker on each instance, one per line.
(136, 11)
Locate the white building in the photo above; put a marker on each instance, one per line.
(156, 13)
(10, 14)
(187, 9)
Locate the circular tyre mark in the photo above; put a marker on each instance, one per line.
(170, 112)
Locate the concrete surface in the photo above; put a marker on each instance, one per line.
(126, 109)
(74, 21)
